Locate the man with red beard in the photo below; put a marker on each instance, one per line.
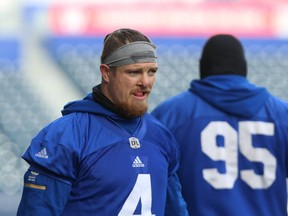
(106, 156)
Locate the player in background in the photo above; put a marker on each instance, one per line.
(233, 137)
(106, 156)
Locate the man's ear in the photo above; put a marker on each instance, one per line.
(105, 71)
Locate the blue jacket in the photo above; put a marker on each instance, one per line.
(109, 165)
(233, 139)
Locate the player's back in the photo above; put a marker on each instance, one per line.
(231, 165)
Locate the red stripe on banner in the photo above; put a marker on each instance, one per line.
(250, 19)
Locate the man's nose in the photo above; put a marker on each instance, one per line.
(144, 79)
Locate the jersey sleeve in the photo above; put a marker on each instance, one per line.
(174, 155)
(166, 140)
(42, 195)
(55, 149)
(175, 204)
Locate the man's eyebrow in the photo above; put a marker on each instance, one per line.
(142, 69)
(155, 68)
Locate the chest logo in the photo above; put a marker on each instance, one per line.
(137, 163)
(134, 143)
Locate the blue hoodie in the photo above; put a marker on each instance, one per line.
(222, 94)
(233, 139)
(232, 94)
(88, 105)
(112, 164)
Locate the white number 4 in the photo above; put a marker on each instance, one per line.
(229, 154)
(141, 191)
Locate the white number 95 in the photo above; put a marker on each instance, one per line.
(229, 154)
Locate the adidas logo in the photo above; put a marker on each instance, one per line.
(137, 163)
(42, 153)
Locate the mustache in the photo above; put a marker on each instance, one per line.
(143, 89)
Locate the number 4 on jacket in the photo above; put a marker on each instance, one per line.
(141, 191)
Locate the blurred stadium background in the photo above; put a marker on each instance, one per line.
(49, 55)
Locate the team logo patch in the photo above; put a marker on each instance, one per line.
(134, 143)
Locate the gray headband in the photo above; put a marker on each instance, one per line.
(135, 52)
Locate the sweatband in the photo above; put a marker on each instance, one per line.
(135, 52)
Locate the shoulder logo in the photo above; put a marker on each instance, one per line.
(42, 153)
(137, 163)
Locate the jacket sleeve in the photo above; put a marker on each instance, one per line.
(56, 147)
(43, 195)
(175, 204)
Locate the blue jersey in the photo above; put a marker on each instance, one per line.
(233, 139)
(111, 171)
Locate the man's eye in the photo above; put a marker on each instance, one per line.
(152, 72)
